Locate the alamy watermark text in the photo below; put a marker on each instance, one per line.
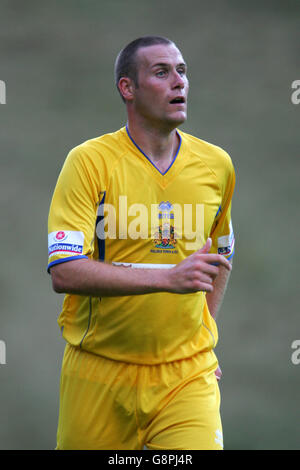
(295, 96)
(2, 92)
(2, 352)
(295, 358)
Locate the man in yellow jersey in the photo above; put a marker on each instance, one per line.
(140, 241)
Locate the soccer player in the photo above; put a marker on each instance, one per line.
(141, 241)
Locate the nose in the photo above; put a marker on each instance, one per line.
(179, 81)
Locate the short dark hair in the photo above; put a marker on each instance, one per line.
(126, 64)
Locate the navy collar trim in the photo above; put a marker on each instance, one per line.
(136, 145)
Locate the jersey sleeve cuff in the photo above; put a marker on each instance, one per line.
(232, 255)
(63, 260)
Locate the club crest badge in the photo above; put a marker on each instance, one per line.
(165, 236)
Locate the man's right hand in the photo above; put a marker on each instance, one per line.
(197, 272)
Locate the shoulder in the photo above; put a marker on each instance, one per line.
(99, 150)
(94, 159)
(215, 158)
(212, 155)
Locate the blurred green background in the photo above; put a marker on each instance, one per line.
(57, 60)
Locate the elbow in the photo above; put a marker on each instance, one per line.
(65, 277)
(58, 286)
(57, 283)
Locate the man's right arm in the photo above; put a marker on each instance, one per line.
(99, 279)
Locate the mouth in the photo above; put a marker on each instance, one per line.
(178, 100)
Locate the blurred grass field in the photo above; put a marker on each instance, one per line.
(57, 60)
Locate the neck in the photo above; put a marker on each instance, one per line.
(160, 145)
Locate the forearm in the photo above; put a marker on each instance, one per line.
(215, 298)
(98, 279)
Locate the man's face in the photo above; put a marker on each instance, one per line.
(161, 95)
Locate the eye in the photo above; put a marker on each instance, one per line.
(181, 71)
(161, 73)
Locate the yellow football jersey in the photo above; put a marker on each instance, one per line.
(112, 204)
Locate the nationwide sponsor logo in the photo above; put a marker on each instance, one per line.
(60, 236)
(65, 247)
(224, 251)
(226, 243)
(65, 242)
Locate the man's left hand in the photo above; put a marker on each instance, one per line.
(218, 373)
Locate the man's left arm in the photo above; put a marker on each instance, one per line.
(215, 298)
(222, 235)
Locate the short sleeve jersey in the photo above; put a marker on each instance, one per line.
(113, 205)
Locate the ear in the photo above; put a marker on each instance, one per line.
(126, 87)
